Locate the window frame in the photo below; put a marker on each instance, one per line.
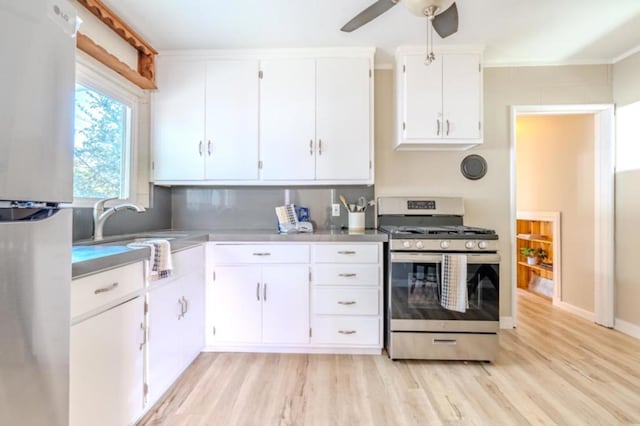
(96, 77)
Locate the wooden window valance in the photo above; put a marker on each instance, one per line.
(144, 77)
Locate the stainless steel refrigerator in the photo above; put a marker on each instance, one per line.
(37, 78)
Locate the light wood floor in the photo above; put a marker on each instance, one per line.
(555, 368)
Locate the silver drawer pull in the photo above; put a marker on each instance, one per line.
(262, 254)
(346, 252)
(346, 302)
(347, 331)
(106, 289)
(347, 275)
(444, 341)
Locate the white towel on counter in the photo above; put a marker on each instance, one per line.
(454, 282)
(160, 264)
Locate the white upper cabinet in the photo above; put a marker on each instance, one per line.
(315, 119)
(178, 121)
(287, 119)
(205, 120)
(440, 104)
(343, 124)
(265, 117)
(232, 120)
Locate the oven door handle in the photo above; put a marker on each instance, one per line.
(472, 258)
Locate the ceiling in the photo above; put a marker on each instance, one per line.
(513, 32)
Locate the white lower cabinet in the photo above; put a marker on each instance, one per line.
(260, 305)
(312, 297)
(107, 347)
(175, 322)
(346, 296)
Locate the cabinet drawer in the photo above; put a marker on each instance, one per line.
(187, 261)
(344, 274)
(260, 253)
(346, 330)
(345, 301)
(346, 253)
(91, 292)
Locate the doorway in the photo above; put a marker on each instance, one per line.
(599, 232)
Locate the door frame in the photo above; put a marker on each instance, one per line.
(604, 172)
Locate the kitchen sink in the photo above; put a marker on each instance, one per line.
(123, 240)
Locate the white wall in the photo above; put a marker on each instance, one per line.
(626, 90)
(555, 172)
(487, 201)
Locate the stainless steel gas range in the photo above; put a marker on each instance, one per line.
(432, 257)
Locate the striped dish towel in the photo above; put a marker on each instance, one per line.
(160, 264)
(454, 282)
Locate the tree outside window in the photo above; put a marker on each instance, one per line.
(101, 140)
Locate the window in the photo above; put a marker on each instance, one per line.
(628, 129)
(106, 139)
(101, 145)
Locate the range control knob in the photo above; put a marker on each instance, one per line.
(444, 244)
(406, 244)
(469, 245)
(483, 244)
(420, 245)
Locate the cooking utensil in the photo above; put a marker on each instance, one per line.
(352, 208)
(344, 202)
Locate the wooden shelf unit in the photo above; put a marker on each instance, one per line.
(537, 234)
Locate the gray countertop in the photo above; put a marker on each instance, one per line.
(90, 257)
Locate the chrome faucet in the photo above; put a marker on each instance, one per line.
(100, 215)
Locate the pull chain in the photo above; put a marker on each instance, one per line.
(430, 57)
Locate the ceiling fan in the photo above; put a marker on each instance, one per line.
(442, 14)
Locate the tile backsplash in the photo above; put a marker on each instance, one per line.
(253, 207)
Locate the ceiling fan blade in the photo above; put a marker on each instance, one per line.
(369, 14)
(446, 23)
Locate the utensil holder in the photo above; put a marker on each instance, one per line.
(356, 221)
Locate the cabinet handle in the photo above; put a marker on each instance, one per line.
(444, 341)
(181, 309)
(144, 336)
(106, 289)
(200, 148)
(346, 302)
(448, 127)
(262, 254)
(347, 331)
(347, 252)
(258, 292)
(319, 146)
(311, 147)
(186, 305)
(347, 275)
(209, 147)
(438, 130)
(264, 293)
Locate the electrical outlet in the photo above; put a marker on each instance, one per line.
(335, 209)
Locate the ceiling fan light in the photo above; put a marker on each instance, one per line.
(418, 7)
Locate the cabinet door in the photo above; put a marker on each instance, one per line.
(287, 119)
(422, 89)
(237, 304)
(343, 110)
(232, 120)
(461, 96)
(285, 305)
(192, 323)
(164, 346)
(178, 121)
(106, 367)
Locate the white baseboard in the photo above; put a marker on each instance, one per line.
(370, 350)
(627, 328)
(506, 322)
(583, 313)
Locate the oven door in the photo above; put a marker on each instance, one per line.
(414, 289)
